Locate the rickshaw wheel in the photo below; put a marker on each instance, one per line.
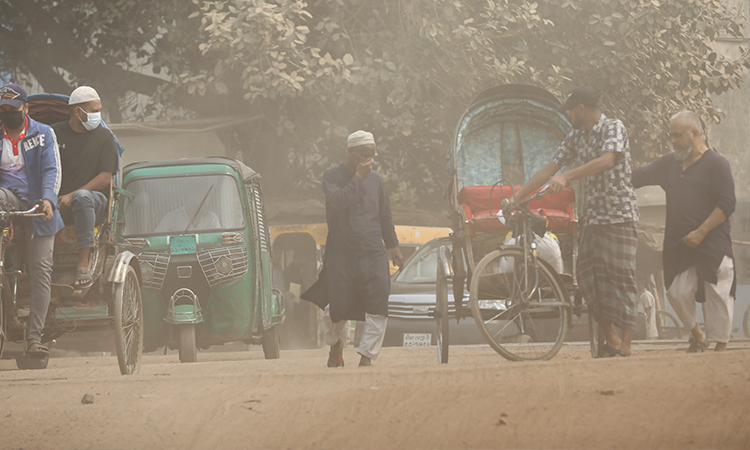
(668, 327)
(596, 337)
(128, 323)
(3, 329)
(188, 349)
(441, 312)
(522, 321)
(271, 343)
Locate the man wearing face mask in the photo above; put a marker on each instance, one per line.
(89, 158)
(697, 256)
(30, 171)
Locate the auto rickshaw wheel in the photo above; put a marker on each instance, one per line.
(271, 343)
(128, 323)
(188, 349)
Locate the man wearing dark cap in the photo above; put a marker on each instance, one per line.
(355, 281)
(89, 158)
(30, 171)
(598, 148)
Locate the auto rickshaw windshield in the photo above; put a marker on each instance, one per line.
(175, 205)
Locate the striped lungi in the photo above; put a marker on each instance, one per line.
(606, 272)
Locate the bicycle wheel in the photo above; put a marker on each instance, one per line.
(596, 337)
(667, 326)
(128, 323)
(441, 312)
(2, 321)
(523, 314)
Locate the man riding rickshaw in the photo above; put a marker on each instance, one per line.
(50, 258)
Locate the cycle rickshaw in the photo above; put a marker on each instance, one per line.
(199, 231)
(111, 302)
(521, 305)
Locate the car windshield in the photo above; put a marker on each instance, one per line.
(167, 205)
(422, 267)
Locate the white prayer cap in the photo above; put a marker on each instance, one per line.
(358, 138)
(83, 94)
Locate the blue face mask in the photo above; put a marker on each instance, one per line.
(92, 120)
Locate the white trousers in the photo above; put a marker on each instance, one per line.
(648, 302)
(372, 336)
(718, 308)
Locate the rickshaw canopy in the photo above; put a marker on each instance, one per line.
(508, 132)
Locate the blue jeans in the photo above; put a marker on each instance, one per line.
(89, 208)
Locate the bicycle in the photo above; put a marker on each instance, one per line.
(517, 300)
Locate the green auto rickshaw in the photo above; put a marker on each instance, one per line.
(203, 246)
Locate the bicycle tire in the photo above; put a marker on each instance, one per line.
(3, 329)
(539, 316)
(667, 326)
(596, 337)
(441, 312)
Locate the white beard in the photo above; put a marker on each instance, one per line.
(680, 155)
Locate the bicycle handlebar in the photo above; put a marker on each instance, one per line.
(508, 207)
(31, 212)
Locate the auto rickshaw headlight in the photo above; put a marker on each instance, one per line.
(224, 265)
(232, 238)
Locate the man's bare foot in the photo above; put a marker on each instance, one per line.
(364, 361)
(721, 347)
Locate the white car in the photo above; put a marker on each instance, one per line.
(411, 304)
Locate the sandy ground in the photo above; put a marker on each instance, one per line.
(656, 399)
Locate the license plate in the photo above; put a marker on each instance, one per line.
(417, 339)
(183, 245)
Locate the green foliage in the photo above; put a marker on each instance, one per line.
(405, 70)
(318, 69)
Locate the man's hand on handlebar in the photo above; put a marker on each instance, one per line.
(558, 183)
(47, 210)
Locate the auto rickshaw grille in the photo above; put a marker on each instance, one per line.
(153, 269)
(213, 264)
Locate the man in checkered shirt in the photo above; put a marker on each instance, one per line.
(598, 148)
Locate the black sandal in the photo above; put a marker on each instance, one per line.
(697, 346)
(81, 275)
(35, 349)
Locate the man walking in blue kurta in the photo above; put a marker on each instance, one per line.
(355, 281)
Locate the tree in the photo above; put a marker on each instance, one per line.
(319, 69)
(119, 46)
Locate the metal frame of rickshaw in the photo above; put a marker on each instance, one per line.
(459, 266)
(115, 277)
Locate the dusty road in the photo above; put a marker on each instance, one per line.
(657, 399)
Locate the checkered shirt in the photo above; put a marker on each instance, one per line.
(609, 196)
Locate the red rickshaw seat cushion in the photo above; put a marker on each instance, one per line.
(557, 208)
